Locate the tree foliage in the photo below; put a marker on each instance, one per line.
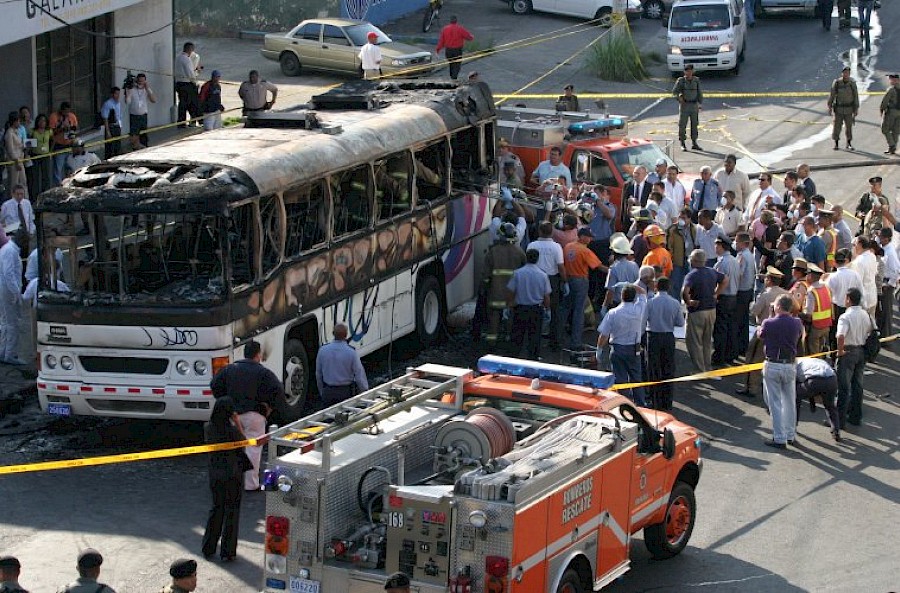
(230, 16)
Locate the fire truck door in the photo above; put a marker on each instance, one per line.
(648, 488)
(615, 502)
(592, 168)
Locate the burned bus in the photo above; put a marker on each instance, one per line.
(363, 207)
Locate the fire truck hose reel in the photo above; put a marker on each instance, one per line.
(484, 434)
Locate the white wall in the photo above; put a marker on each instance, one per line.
(152, 54)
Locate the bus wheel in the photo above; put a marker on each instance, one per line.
(429, 311)
(296, 376)
(670, 537)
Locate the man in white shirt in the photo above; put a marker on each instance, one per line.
(370, 57)
(866, 266)
(853, 328)
(548, 172)
(760, 198)
(675, 190)
(550, 260)
(138, 99)
(889, 282)
(733, 179)
(18, 209)
(79, 158)
(254, 93)
(187, 69)
(728, 216)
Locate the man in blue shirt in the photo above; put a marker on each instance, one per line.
(724, 338)
(812, 245)
(623, 329)
(549, 172)
(663, 316)
(702, 286)
(111, 114)
(602, 225)
(622, 269)
(779, 335)
(528, 295)
(706, 193)
(339, 371)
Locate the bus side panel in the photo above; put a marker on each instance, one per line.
(530, 548)
(616, 529)
(467, 216)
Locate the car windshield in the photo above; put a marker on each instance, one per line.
(146, 259)
(709, 17)
(358, 34)
(626, 159)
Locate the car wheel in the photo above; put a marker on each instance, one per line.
(604, 17)
(653, 9)
(290, 64)
(669, 538)
(741, 55)
(520, 6)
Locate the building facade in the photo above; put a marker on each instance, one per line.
(75, 50)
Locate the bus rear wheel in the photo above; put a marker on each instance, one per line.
(296, 376)
(429, 311)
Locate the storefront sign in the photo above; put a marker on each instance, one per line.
(27, 18)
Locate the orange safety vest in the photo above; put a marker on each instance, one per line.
(821, 315)
(829, 257)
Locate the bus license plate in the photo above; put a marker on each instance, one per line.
(299, 585)
(59, 409)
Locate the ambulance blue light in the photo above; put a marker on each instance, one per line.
(596, 125)
(517, 367)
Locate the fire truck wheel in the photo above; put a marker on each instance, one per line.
(670, 537)
(429, 311)
(296, 375)
(570, 582)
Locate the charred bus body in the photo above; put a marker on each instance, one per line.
(362, 208)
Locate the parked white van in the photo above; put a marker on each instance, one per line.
(710, 34)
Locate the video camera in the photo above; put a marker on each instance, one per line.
(128, 83)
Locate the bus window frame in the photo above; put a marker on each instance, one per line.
(282, 221)
(335, 238)
(410, 184)
(257, 253)
(323, 183)
(420, 203)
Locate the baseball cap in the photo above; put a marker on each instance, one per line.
(660, 162)
(372, 35)
(585, 232)
(569, 87)
(89, 558)
(216, 73)
(845, 69)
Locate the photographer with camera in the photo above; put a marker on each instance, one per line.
(64, 124)
(138, 96)
(111, 116)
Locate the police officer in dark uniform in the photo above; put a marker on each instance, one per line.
(397, 583)
(690, 100)
(528, 295)
(10, 568)
(339, 371)
(89, 562)
(256, 391)
(184, 576)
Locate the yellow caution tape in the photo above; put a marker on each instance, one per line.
(706, 95)
(125, 457)
(725, 372)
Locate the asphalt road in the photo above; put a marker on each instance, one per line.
(820, 517)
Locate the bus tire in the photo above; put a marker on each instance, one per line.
(570, 582)
(429, 311)
(296, 377)
(669, 538)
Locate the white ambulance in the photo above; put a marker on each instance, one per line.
(709, 34)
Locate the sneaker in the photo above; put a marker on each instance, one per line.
(696, 146)
(850, 147)
(683, 146)
(772, 443)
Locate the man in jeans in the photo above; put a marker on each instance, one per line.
(779, 335)
(853, 328)
(578, 261)
(528, 295)
(623, 329)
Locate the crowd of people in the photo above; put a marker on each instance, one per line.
(717, 258)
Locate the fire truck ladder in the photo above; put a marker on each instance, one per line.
(361, 412)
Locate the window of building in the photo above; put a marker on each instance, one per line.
(306, 215)
(242, 246)
(431, 171)
(272, 236)
(76, 67)
(352, 210)
(393, 186)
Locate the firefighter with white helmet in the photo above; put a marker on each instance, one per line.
(658, 256)
(502, 259)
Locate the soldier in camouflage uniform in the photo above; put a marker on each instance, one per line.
(89, 562)
(843, 104)
(890, 114)
(184, 576)
(690, 100)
